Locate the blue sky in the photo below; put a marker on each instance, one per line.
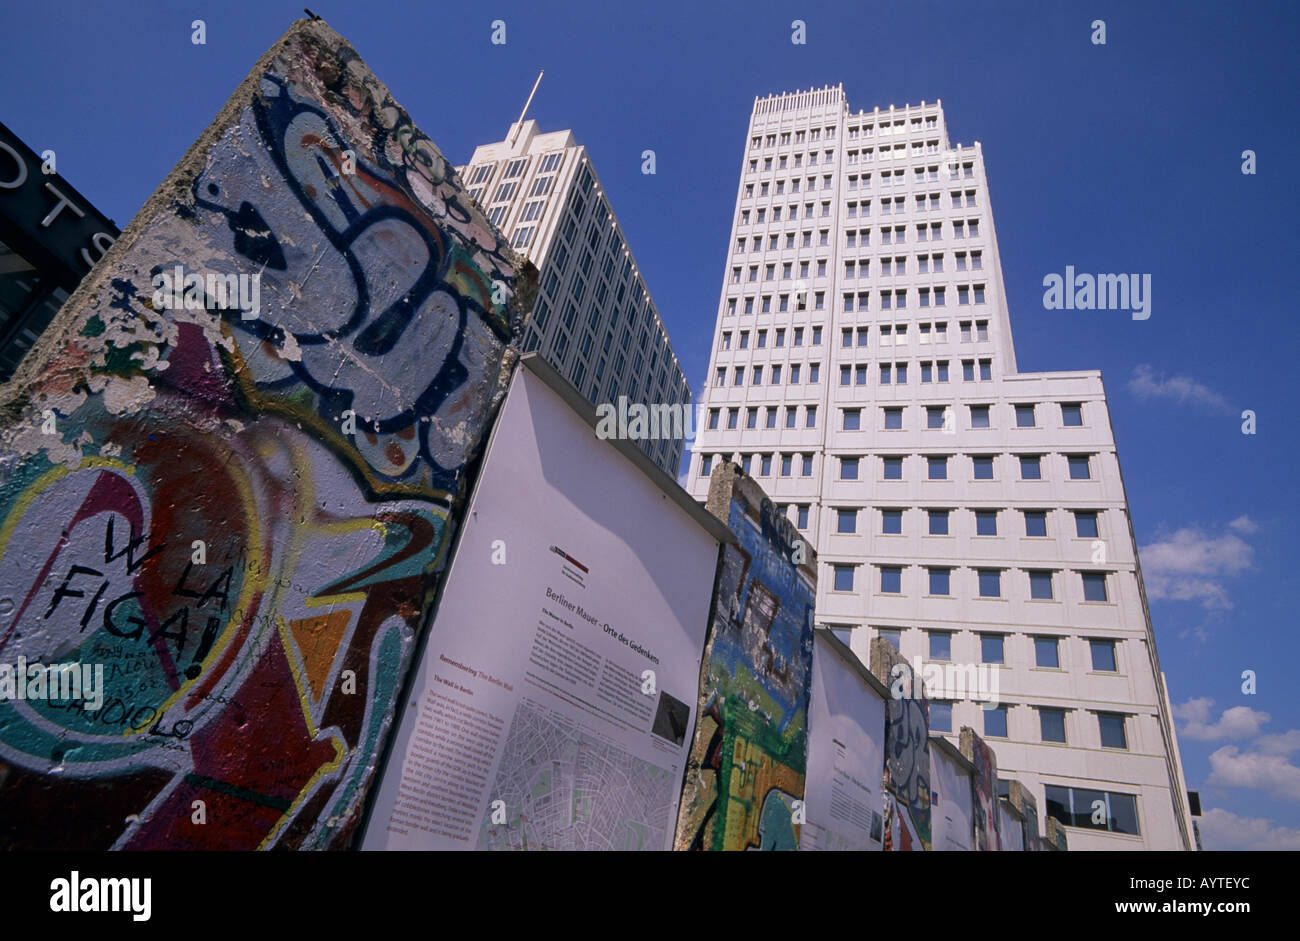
(1123, 157)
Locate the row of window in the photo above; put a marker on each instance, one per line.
(811, 135)
(986, 521)
(889, 373)
(937, 518)
(861, 209)
(514, 169)
(887, 128)
(1051, 725)
(887, 335)
(851, 466)
(897, 152)
(955, 170)
(1102, 651)
(895, 299)
(942, 417)
(989, 581)
(936, 466)
(923, 202)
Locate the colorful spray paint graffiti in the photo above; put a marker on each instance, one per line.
(750, 751)
(906, 781)
(988, 835)
(242, 514)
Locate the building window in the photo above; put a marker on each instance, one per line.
(1046, 653)
(1079, 469)
(787, 463)
(807, 465)
(1024, 416)
(990, 581)
(1103, 656)
(891, 579)
(938, 522)
(893, 468)
(940, 645)
(983, 466)
(891, 522)
(852, 418)
(843, 577)
(1031, 467)
(889, 636)
(893, 418)
(940, 716)
(1077, 807)
(939, 581)
(1072, 415)
(1035, 522)
(937, 467)
(995, 722)
(986, 522)
(1085, 524)
(991, 648)
(1040, 585)
(979, 416)
(848, 468)
(846, 521)
(1051, 723)
(706, 465)
(1094, 586)
(1111, 725)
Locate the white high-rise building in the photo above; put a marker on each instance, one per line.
(863, 372)
(594, 319)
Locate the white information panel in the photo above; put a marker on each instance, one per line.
(555, 700)
(846, 756)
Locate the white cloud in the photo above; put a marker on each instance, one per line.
(1184, 390)
(1224, 830)
(1194, 710)
(1244, 524)
(1189, 565)
(1236, 722)
(1257, 770)
(1283, 744)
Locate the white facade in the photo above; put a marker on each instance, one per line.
(594, 319)
(886, 414)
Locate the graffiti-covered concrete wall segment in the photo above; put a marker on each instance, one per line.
(906, 784)
(988, 826)
(230, 474)
(750, 751)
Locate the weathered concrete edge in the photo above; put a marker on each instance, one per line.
(16, 394)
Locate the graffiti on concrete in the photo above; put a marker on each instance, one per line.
(242, 514)
(988, 829)
(750, 750)
(907, 770)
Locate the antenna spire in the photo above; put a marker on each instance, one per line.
(520, 123)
